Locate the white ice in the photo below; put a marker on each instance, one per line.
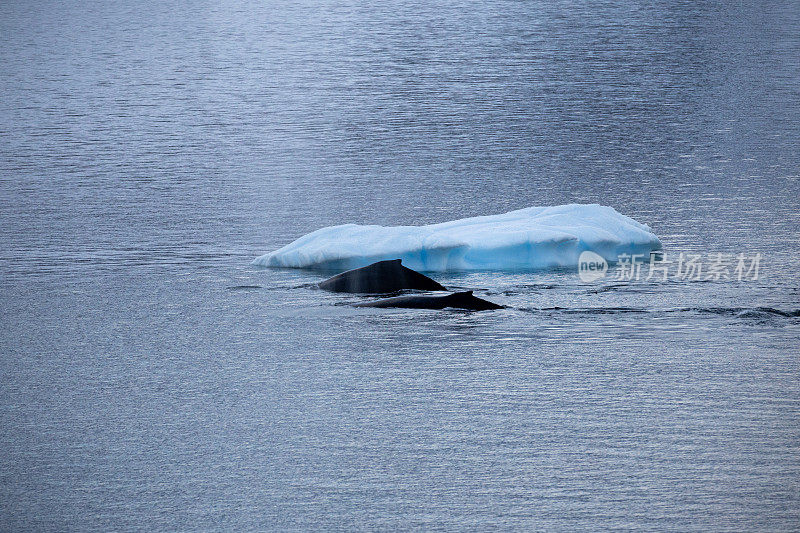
(530, 238)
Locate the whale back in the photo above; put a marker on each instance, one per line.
(458, 300)
(466, 300)
(382, 277)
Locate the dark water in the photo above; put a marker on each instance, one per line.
(151, 379)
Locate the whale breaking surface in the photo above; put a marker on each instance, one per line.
(527, 239)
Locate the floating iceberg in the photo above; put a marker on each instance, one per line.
(530, 238)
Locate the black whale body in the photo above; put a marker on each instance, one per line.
(456, 300)
(382, 277)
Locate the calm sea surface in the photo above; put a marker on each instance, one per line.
(151, 379)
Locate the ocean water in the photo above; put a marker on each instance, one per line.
(152, 379)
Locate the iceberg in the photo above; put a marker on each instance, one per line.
(527, 239)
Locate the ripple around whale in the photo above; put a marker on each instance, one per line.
(531, 238)
(733, 312)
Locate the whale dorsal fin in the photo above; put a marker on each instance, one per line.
(393, 262)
